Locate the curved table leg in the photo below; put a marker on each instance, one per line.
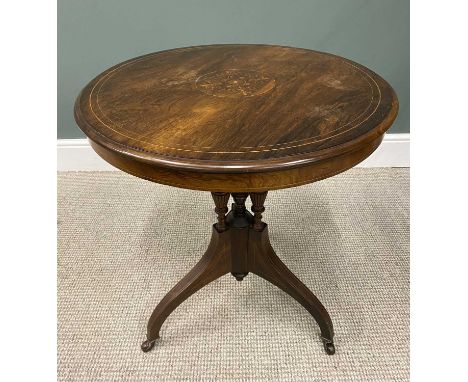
(268, 265)
(214, 264)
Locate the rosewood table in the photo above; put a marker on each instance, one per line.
(236, 120)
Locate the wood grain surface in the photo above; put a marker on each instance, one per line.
(235, 109)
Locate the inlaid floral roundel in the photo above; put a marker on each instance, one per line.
(234, 83)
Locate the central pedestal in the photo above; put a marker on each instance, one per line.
(239, 245)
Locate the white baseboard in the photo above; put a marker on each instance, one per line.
(77, 155)
(394, 151)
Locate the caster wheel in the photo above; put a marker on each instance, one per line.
(147, 345)
(329, 347)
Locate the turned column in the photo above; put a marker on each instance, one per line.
(258, 199)
(239, 203)
(240, 220)
(221, 200)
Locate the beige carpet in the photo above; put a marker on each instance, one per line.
(124, 242)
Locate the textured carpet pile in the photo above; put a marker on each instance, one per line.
(124, 242)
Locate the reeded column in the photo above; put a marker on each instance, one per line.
(239, 236)
(221, 200)
(258, 199)
(239, 200)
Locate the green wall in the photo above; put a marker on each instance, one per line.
(96, 34)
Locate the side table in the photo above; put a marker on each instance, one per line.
(237, 120)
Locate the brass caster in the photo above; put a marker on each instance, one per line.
(329, 346)
(147, 345)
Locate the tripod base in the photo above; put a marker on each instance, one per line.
(240, 245)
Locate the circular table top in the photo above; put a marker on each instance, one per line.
(235, 108)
